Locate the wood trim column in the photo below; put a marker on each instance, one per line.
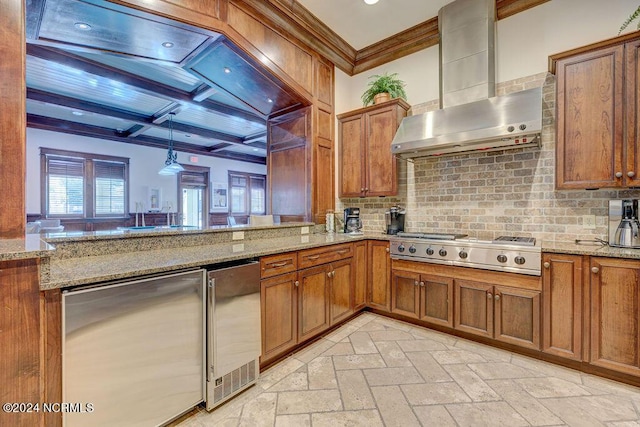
(13, 119)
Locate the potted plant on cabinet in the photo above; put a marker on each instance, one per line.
(383, 88)
(630, 19)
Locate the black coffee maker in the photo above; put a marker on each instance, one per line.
(352, 222)
(394, 219)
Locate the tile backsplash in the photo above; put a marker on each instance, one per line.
(509, 192)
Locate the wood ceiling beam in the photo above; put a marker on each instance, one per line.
(291, 17)
(142, 84)
(64, 126)
(138, 119)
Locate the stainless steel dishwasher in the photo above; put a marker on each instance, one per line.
(135, 350)
(233, 330)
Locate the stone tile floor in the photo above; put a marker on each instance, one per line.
(375, 371)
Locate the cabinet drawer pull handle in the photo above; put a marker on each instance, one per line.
(282, 264)
(489, 295)
(497, 297)
(595, 270)
(313, 257)
(631, 174)
(618, 174)
(547, 265)
(343, 251)
(297, 283)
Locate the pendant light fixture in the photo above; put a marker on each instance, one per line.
(171, 165)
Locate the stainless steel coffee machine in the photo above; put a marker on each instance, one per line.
(394, 219)
(352, 221)
(624, 228)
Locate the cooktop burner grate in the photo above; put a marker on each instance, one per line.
(510, 240)
(432, 236)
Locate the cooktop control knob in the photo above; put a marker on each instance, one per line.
(443, 252)
(400, 247)
(511, 129)
(412, 249)
(463, 254)
(519, 260)
(430, 251)
(502, 258)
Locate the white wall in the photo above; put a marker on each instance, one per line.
(523, 44)
(144, 164)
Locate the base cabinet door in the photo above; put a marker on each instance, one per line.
(517, 316)
(360, 267)
(279, 308)
(340, 291)
(436, 300)
(615, 316)
(474, 307)
(562, 305)
(379, 276)
(313, 301)
(405, 293)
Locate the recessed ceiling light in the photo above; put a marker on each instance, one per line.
(270, 101)
(82, 26)
(256, 149)
(371, 1)
(167, 44)
(77, 113)
(227, 70)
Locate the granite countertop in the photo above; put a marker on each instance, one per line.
(93, 269)
(591, 249)
(29, 247)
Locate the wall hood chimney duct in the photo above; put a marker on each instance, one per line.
(471, 117)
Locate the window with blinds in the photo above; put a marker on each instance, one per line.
(248, 193)
(109, 188)
(83, 185)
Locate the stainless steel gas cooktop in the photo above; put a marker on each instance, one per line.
(506, 253)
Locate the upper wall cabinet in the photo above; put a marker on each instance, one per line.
(597, 115)
(367, 167)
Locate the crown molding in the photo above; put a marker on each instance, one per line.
(292, 18)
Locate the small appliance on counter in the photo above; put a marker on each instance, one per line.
(394, 219)
(624, 228)
(352, 221)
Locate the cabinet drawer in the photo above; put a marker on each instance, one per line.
(317, 256)
(274, 265)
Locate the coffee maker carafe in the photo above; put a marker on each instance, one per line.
(352, 222)
(394, 219)
(624, 228)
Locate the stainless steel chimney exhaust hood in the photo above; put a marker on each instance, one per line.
(509, 121)
(471, 117)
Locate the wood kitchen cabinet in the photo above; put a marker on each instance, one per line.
(360, 268)
(596, 102)
(503, 313)
(303, 294)
(562, 305)
(615, 314)
(366, 166)
(422, 296)
(379, 275)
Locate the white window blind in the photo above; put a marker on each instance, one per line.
(109, 188)
(248, 193)
(258, 197)
(65, 187)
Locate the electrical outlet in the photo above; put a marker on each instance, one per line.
(304, 230)
(237, 235)
(589, 222)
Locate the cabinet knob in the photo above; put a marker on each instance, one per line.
(618, 174)
(415, 283)
(296, 283)
(595, 270)
(422, 284)
(362, 189)
(386, 249)
(547, 265)
(489, 295)
(497, 297)
(631, 174)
